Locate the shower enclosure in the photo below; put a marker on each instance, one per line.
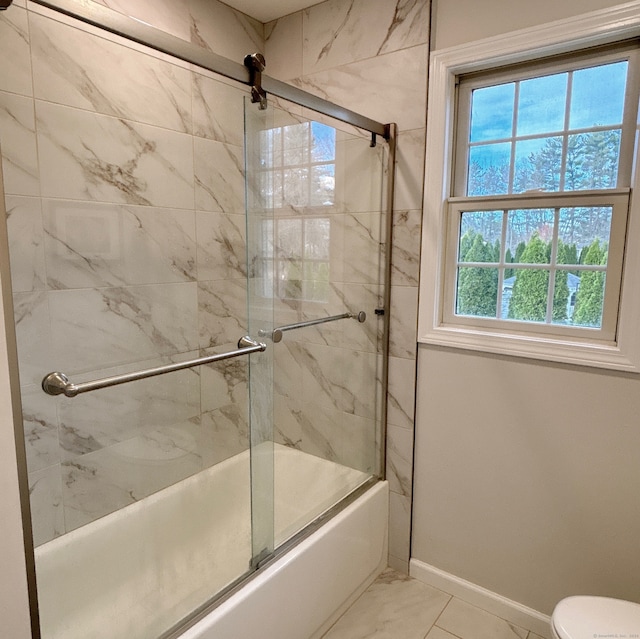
(199, 289)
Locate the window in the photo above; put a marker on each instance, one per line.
(528, 240)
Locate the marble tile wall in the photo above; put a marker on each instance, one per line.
(371, 56)
(124, 191)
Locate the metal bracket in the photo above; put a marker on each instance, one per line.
(372, 144)
(255, 63)
(5, 4)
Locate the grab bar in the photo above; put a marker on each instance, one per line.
(276, 333)
(58, 383)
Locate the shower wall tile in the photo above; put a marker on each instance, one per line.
(400, 459)
(18, 141)
(26, 243)
(391, 90)
(47, 514)
(99, 483)
(221, 246)
(399, 527)
(223, 30)
(223, 383)
(283, 47)
(357, 450)
(362, 244)
(409, 169)
(222, 313)
(40, 428)
(338, 32)
(228, 429)
(15, 70)
(401, 392)
(87, 156)
(93, 245)
(33, 334)
(122, 324)
(97, 420)
(219, 176)
(218, 110)
(404, 312)
(76, 68)
(405, 254)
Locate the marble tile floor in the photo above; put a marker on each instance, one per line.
(396, 606)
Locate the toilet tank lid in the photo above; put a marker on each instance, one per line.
(585, 617)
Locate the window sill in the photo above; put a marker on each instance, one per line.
(603, 355)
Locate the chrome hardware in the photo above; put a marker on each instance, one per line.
(256, 64)
(58, 383)
(276, 333)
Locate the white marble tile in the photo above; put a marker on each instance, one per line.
(221, 246)
(224, 383)
(391, 90)
(362, 248)
(399, 526)
(122, 325)
(401, 392)
(358, 446)
(26, 247)
(170, 16)
(409, 179)
(229, 431)
(223, 30)
(40, 428)
(359, 370)
(47, 516)
(219, 176)
(399, 460)
(393, 607)
(75, 68)
(405, 255)
(33, 334)
(468, 622)
(222, 313)
(96, 420)
(88, 156)
(366, 336)
(338, 32)
(404, 313)
(283, 47)
(218, 110)
(287, 429)
(18, 140)
(114, 477)
(15, 70)
(93, 245)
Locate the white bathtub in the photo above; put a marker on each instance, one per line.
(137, 571)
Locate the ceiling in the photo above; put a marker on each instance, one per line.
(267, 10)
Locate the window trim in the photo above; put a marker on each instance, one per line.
(580, 33)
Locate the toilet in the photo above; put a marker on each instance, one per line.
(585, 617)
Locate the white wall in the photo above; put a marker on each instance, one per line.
(527, 473)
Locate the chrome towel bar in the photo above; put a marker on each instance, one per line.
(58, 383)
(276, 333)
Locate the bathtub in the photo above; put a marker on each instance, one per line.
(101, 580)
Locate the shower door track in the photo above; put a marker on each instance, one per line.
(142, 33)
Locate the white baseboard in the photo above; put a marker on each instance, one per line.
(497, 605)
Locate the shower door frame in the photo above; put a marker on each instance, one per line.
(144, 34)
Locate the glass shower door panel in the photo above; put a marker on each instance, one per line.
(320, 258)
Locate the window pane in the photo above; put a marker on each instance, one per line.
(590, 86)
(323, 184)
(589, 300)
(289, 239)
(592, 160)
(537, 164)
(323, 143)
(489, 169)
(296, 187)
(582, 229)
(317, 235)
(480, 234)
(564, 297)
(529, 236)
(528, 295)
(477, 291)
(541, 104)
(296, 143)
(492, 112)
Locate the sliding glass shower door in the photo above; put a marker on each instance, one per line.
(315, 239)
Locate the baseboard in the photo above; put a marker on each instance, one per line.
(496, 604)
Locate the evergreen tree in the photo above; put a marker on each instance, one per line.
(508, 259)
(466, 242)
(478, 286)
(519, 251)
(590, 295)
(530, 289)
(560, 296)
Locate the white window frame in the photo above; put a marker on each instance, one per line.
(597, 28)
